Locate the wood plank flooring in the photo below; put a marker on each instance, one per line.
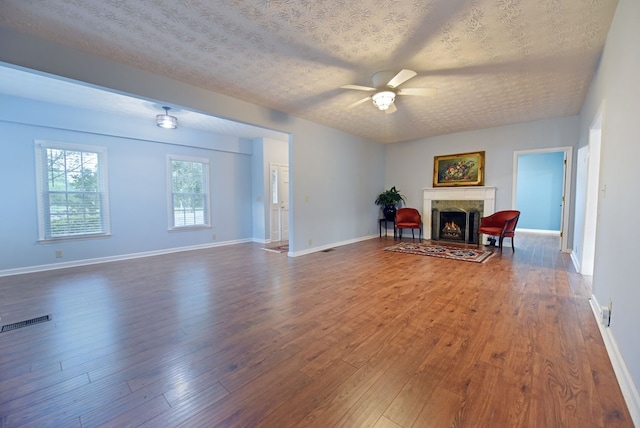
(355, 337)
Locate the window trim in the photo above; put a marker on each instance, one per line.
(42, 171)
(206, 191)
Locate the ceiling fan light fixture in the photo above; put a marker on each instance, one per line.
(383, 99)
(166, 120)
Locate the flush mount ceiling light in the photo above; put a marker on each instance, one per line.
(383, 99)
(166, 120)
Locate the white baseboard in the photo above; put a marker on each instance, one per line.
(575, 261)
(539, 231)
(326, 247)
(64, 265)
(86, 262)
(628, 387)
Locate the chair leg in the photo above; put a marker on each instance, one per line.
(513, 248)
(500, 244)
(413, 234)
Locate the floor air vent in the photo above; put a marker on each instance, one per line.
(328, 250)
(26, 323)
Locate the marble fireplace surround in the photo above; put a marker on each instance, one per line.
(485, 194)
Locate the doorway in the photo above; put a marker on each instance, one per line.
(279, 191)
(592, 195)
(542, 182)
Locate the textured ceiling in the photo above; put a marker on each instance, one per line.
(493, 62)
(50, 89)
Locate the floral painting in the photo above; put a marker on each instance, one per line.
(463, 169)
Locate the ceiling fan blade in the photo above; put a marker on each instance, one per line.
(423, 92)
(401, 77)
(358, 88)
(392, 109)
(357, 103)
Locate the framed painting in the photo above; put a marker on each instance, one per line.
(462, 169)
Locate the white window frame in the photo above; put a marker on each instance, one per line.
(206, 217)
(42, 188)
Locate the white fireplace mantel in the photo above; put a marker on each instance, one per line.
(486, 194)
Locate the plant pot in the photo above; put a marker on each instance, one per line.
(389, 212)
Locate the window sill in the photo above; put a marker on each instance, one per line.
(74, 238)
(190, 228)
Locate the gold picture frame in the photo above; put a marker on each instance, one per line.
(462, 169)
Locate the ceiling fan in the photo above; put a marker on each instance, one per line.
(385, 93)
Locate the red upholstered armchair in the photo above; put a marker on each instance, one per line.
(408, 218)
(501, 224)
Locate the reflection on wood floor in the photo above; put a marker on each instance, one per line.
(238, 336)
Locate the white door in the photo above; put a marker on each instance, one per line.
(279, 203)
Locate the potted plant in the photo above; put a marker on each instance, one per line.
(389, 200)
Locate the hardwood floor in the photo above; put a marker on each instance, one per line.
(237, 336)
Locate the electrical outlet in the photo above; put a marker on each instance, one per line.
(213, 236)
(309, 242)
(605, 316)
(59, 254)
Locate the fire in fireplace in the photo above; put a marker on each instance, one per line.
(451, 230)
(455, 225)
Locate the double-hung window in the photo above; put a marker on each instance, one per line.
(72, 191)
(188, 192)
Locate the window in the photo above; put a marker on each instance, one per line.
(72, 191)
(189, 192)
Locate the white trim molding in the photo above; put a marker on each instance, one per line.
(566, 187)
(627, 386)
(329, 246)
(86, 262)
(470, 193)
(541, 231)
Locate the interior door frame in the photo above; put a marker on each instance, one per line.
(281, 235)
(566, 188)
(590, 226)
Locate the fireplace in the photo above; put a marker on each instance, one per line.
(472, 201)
(456, 225)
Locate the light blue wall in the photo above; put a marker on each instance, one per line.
(615, 276)
(409, 166)
(335, 176)
(257, 191)
(137, 183)
(342, 174)
(539, 190)
(334, 185)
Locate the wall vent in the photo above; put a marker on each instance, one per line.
(26, 323)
